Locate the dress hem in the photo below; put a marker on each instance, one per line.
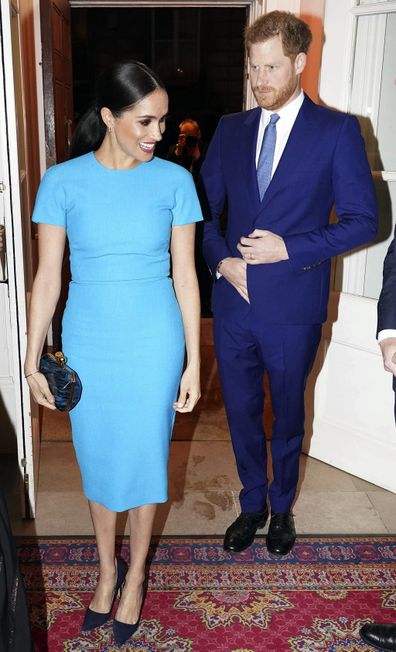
(126, 509)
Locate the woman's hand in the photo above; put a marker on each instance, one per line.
(40, 389)
(190, 390)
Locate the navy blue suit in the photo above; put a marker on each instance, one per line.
(387, 300)
(323, 164)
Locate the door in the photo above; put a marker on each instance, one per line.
(19, 428)
(57, 78)
(58, 112)
(353, 426)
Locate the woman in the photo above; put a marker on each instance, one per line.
(125, 321)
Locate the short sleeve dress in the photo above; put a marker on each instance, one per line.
(122, 329)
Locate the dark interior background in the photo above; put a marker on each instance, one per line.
(198, 53)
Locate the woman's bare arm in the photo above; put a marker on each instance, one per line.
(45, 295)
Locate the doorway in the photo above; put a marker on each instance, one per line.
(23, 423)
(197, 52)
(199, 55)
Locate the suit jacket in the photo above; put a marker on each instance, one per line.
(387, 301)
(323, 164)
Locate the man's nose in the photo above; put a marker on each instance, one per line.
(262, 76)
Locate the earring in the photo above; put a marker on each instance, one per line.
(110, 129)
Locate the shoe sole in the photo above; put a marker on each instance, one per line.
(381, 649)
(280, 554)
(228, 549)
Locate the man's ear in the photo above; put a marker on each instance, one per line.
(300, 62)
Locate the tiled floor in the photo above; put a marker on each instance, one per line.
(203, 487)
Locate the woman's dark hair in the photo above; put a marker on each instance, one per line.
(119, 87)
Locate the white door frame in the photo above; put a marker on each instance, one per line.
(335, 90)
(353, 424)
(15, 264)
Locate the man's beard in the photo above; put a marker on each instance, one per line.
(277, 98)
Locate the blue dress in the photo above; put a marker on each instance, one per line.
(122, 329)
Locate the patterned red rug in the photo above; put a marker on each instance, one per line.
(201, 599)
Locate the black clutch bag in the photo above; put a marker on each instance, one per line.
(63, 381)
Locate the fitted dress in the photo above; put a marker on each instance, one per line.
(122, 329)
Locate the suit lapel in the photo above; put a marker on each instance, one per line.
(247, 155)
(298, 144)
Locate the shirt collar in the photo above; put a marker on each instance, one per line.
(289, 111)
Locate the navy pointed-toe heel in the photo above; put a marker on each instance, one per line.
(93, 619)
(122, 631)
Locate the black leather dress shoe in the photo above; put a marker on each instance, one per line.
(281, 533)
(381, 637)
(240, 534)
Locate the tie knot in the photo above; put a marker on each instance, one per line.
(274, 118)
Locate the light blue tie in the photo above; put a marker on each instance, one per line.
(266, 158)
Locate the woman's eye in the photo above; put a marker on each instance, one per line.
(145, 123)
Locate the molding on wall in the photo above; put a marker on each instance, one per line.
(374, 8)
(152, 4)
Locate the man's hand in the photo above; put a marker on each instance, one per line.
(262, 247)
(388, 349)
(234, 271)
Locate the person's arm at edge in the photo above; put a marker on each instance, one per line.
(386, 327)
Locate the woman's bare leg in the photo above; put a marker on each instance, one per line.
(104, 522)
(141, 525)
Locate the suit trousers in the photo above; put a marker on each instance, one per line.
(245, 350)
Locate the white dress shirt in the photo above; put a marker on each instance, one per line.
(287, 117)
(387, 332)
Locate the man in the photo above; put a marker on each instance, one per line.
(281, 167)
(383, 637)
(189, 152)
(387, 313)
